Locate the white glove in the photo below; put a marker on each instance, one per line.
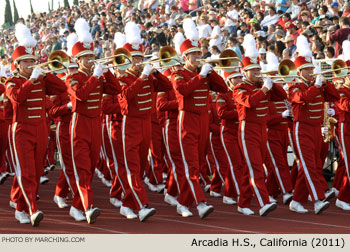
(206, 68)
(36, 73)
(69, 105)
(331, 112)
(319, 80)
(268, 83)
(147, 69)
(324, 131)
(99, 68)
(286, 114)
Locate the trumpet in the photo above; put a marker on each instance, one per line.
(58, 62)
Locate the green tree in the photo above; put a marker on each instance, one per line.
(76, 2)
(15, 12)
(66, 4)
(8, 13)
(31, 7)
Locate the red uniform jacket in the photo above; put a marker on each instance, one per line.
(166, 101)
(28, 100)
(308, 101)
(86, 91)
(111, 106)
(59, 110)
(275, 119)
(343, 105)
(227, 110)
(192, 91)
(252, 103)
(137, 95)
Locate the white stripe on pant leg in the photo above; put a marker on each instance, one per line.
(63, 165)
(275, 167)
(152, 164)
(208, 163)
(250, 168)
(216, 161)
(229, 160)
(18, 169)
(76, 175)
(344, 149)
(293, 149)
(116, 166)
(306, 171)
(10, 147)
(104, 145)
(187, 174)
(128, 173)
(166, 140)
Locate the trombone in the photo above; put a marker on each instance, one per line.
(3, 79)
(120, 59)
(228, 61)
(339, 68)
(286, 71)
(167, 57)
(58, 62)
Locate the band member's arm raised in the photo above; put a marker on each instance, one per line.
(18, 93)
(298, 96)
(112, 85)
(130, 91)
(182, 86)
(161, 83)
(163, 103)
(217, 83)
(331, 94)
(223, 109)
(246, 98)
(54, 85)
(78, 90)
(109, 106)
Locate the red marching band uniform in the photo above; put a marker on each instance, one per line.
(137, 105)
(253, 111)
(192, 93)
(29, 131)
(308, 105)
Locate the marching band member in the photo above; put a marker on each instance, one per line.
(252, 97)
(166, 102)
(343, 105)
(61, 111)
(27, 93)
(136, 100)
(278, 141)
(3, 131)
(192, 90)
(85, 89)
(217, 150)
(308, 105)
(236, 181)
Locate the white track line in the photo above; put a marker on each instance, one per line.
(289, 220)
